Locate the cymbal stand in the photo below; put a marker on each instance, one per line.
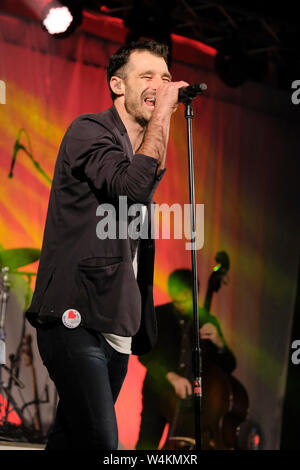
(33, 431)
(4, 300)
(4, 390)
(16, 358)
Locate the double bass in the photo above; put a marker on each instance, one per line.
(225, 401)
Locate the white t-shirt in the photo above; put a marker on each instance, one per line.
(122, 344)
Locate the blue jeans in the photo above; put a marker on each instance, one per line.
(88, 374)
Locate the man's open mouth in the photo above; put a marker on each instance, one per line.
(150, 101)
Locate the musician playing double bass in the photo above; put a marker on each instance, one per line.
(169, 367)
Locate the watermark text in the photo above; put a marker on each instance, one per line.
(295, 358)
(2, 92)
(135, 222)
(296, 94)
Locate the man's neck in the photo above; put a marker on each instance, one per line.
(134, 130)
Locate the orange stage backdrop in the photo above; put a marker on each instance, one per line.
(244, 144)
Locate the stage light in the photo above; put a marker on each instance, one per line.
(150, 19)
(60, 18)
(231, 63)
(235, 66)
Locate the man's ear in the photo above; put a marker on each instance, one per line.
(117, 85)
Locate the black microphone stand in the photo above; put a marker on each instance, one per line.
(197, 354)
(18, 147)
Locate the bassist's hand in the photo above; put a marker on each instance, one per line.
(209, 331)
(182, 386)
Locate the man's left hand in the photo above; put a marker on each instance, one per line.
(209, 331)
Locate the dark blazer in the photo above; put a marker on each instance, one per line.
(77, 270)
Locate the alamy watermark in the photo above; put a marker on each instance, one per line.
(296, 94)
(2, 92)
(133, 222)
(295, 358)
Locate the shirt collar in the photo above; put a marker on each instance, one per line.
(117, 120)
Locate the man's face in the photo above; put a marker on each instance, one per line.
(183, 301)
(144, 72)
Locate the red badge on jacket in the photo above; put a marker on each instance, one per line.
(71, 318)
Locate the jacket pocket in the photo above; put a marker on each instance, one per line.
(99, 262)
(110, 294)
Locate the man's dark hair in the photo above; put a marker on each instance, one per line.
(179, 280)
(120, 58)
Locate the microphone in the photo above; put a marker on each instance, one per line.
(190, 92)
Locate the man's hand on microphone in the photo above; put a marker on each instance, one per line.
(157, 134)
(166, 101)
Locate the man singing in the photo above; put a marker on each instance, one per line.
(93, 301)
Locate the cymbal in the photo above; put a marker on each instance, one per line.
(17, 257)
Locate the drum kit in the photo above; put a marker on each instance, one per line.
(27, 430)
